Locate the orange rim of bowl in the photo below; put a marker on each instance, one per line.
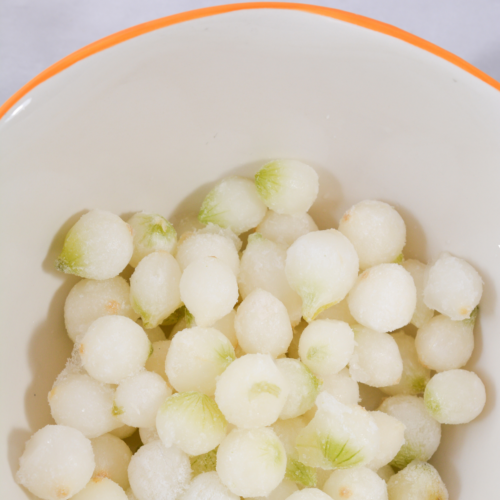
(141, 29)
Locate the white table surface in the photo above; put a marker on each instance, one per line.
(36, 33)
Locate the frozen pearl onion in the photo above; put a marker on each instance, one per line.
(376, 360)
(152, 233)
(159, 473)
(309, 494)
(91, 299)
(234, 204)
(251, 462)
(418, 272)
(148, 434)
(422, 433)
(359, 483)
(376, 230)
(154, 288)
(156, 362)
(443, 344)
(392, 437)
(138, 398)
(386, 472)
(339, 312)
(287, 186)
(207, 486)
(196, 357)
(342, 386)
(57, 463)
(285, 229)
(384, 298)
(453, 287)
(281, 492)
(262, 324)
(455, 396)
(101, 488)
(192, 421)
(123, 432)
(112, 457)
(252, 391)
(417, 481)
(326, 346)
(209, 290)
(114, 348)
(321, 267)
(99, 246)
(79, 401)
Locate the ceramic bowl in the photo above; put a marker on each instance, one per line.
(150, 118)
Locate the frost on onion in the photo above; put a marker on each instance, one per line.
(321, 267)
(99, 246)
(208, 486)
(285, 229)
(359, 483)
(392, 437)
(418, 272)
(99, 488)
(343, 387)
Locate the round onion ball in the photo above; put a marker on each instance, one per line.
(152, 233)
(359, 483)
(376, 360)
(112, 457)
(208, 486)
(57, 463)
(443, 344)
(234, 204)
(251, 462)
(417, 481)
(343, 387)
(123, 432)
(326, 346)
(281, 492)
(79, 401)
(422, 433)
(321, 267)
(91, 299)
(287, 186)
(196, 357)
(99, 246)
(376, 230)
(453, 287)
(285, 229)
(154, 288)
(455, 396)
(156, 362)
(148, 434)
(309, 494)
(114, 348)
(159, 473)
(138, 398)
(392, 437)
(418, 272)
(252, 392)
(384, 298)
(209, 290)
(262, 324)
(100, 488)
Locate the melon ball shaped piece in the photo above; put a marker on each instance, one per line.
(148, 434)
(156, 362)
(418, 481)
(384, 298)
(422, 433)
(204, 463)
(415, 376)
(209, 290)
(309, 494)
(152, 233)
(418, 272)
(123, 432)
(321, 267)
(338, 437)
(376, 230)
(455, 396)
(79, 401)
(386, 472)
(251, 462)
(159, 473)
(443, 344)
(138, 398)
(304, 387)
(453, 287)
(339, 312)
(287, 186)
(191, 421)
(233, 203)
(91, 299)
(99, 246)
(100, 488)
(112, 457)
(57, 463)
(196, 357)
(262, 324)
(154, 288)
(113, 348)
(326, 346)
(342, 386)
(376, 360)
(263, 266)
(281, 492)
(208, 486)
(284, 229)
(252, 391)
(392, 437)
(359, 483)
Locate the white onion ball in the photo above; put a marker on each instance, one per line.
(359, 483)
(101, 488)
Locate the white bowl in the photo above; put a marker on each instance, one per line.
(169, 107)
